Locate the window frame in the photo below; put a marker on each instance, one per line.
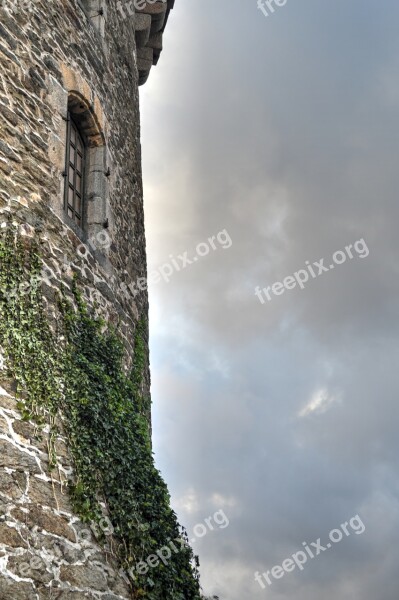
(78, 216)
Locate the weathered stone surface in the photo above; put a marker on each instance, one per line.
(45, 520)
(62, 550)
(13, 590)
(3, 425)
(142, 29)
(12, 484)
(10, 537)
(7, 401)
(13, 457)
(70, 595)
(82, 576)
(62, 451)
(25, 430)
(120, 588)
(30, 566)
(47, 494)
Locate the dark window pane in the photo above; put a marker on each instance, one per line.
(78, 204)
(73, 133)
(70, 213)
(79, 162)
(71, 174)
(72, 155)
(70, 196)
(78, 183)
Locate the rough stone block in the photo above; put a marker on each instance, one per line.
(30, 566)
(142, 29)
(16, 590)
(14, 458)
(11, 537)
(12, 485)
(43, 493)
(70, 595)
(45, 520)
(84, 577)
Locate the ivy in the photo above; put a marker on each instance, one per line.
(77, 367)
(25, 334)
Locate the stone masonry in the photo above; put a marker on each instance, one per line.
(58, 58)
(45, 551)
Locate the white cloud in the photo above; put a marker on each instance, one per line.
(188, 502)
(320, 402)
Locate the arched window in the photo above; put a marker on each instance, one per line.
(74, 174)
(85, 205)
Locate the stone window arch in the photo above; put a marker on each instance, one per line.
(88, 185)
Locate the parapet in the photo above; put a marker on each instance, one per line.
(150, 22)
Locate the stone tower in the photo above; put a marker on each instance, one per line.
(83, 512)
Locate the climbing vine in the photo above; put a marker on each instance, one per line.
(75, 364)
(25, 335)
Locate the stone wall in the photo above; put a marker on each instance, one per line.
(53, 53)
(46, 553)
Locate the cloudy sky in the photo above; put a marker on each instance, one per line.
(282, 132)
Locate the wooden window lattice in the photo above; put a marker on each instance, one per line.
(74, 174)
